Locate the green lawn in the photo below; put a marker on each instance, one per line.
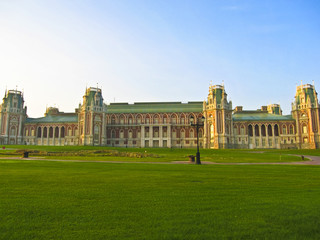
(67, 200)
(160, 154)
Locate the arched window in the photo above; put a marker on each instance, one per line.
(304, 128)
(242, 130)
(130, 133)
(13, 131)
(291, 131)
(269, 130)
(263, 130)
(191, 133)
(121, 133)
(235, 130)
(45, 132)
(56, 132)
(256, 130)
(173, 119)
(276, 130)
(200, 133)
(182, 133)
(39, 132)
(250, 130)
(62, 132)
(50, 132)
(284, 129)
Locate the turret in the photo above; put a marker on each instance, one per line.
(12, 116)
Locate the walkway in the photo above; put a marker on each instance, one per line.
(313, 160)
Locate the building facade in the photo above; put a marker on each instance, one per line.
(165, 124)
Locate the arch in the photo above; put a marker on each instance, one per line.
(182, 133)
(121, 133)
(139, 118)
(250, 131)
(130, 119)
(242, 130)
(39, 132)
(69, 133)
(32, 132)
(291, 129)
(50, 132)
(122, 119)
(174, 118)
(304, 128)
(182, 118)
(13, 131)
(191, 133)
(276, 130)
(269, 130)
(113, 119)
(56, 132)
(156, 118)
(263, 130)
(130, 133)
(200, 133)
(62, 132)
(284, 129)
(165, 118)
(45, 132)
(148, 119)
(235, 130)
(256, 130)
(113, 133)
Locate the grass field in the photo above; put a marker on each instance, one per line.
(88, 153)
(72, 200)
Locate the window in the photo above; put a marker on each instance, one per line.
(284, 129)
(191, 133)
(291, 129)
(304, 129)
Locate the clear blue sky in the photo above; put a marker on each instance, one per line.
(158, 50)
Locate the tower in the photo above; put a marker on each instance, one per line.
(12, 116)
(92, 114)
(218, 114)
(305, 110)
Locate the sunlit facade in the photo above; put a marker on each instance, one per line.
(165, 124)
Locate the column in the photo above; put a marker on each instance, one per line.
(150, 136)
(160, 136)
(267, 136)
(260, 136)
(42, 135)
(273, 137)
(54, 136)
(60, 136)
(142, 136)
(48, 136)
(254, 136)
(169, 136)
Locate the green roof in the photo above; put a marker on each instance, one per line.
(54, 119)
(259, 116)
(155, 107)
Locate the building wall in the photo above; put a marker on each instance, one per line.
(97, 126)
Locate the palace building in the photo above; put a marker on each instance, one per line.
(165, 124)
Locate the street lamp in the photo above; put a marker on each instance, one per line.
(197, 125)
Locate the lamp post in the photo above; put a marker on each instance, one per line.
(197, 125)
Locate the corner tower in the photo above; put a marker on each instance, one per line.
(12, 116)
(305, 110)
(218, 113)
(92, 114)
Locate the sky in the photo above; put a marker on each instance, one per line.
(142, 50)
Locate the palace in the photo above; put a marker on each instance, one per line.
(165, 124)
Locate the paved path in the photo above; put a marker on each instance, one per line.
(313, 160)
